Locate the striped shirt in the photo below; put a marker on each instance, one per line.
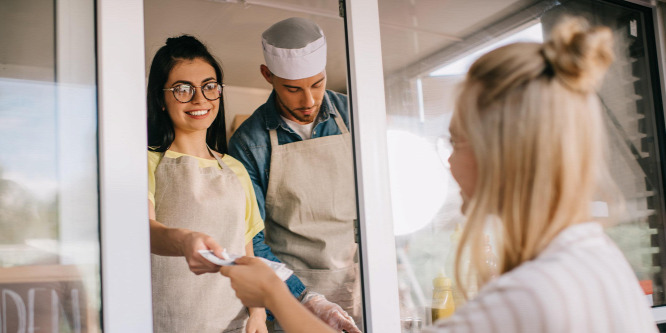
(581, 282)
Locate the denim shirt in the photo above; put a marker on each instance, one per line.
(251, 145)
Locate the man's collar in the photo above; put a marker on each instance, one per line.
(272, 113)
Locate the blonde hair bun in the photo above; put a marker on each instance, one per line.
(579, 54)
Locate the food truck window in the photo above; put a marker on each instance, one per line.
(232, 31)
(49, 219)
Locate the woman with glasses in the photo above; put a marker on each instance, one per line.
(200, 198)
(529, 143)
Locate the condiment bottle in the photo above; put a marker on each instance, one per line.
(443, 305)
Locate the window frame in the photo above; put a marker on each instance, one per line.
(126, 289)
(124, 231)
(367, 100)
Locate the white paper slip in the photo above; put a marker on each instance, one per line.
(225, 255)
(210, 256)
(284, 273)
(280, 269)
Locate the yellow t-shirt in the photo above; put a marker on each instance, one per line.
(253, 219)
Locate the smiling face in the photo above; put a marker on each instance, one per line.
(199, 113)
(299, 100)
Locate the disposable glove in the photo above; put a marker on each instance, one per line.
(332, 314)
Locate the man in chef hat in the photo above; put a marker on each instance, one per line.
(297, 149)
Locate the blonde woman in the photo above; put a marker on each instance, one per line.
(528, 152)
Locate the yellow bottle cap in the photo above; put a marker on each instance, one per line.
(441, 281)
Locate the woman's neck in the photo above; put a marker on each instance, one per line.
(193, 143)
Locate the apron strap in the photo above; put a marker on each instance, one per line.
(219, 160)
(162, 154)
(274, 139)
(339, 121)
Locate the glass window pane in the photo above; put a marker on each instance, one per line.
(427, 48)
(310, 227)
(49, 227)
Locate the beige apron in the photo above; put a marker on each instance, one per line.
(207, 200)
(310, 213)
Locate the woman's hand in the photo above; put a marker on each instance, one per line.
(191, 242)
(257, 286)
(257, 321)
(165, 241)
(253, 281)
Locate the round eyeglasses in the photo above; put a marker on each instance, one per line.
(184, 92)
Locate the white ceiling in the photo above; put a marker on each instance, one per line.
(410, 29)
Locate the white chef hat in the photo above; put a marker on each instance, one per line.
(294, 48)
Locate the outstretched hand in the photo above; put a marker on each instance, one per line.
(253, 281)
(191, 244)
(256, 285)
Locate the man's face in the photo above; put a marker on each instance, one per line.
(299, 100)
